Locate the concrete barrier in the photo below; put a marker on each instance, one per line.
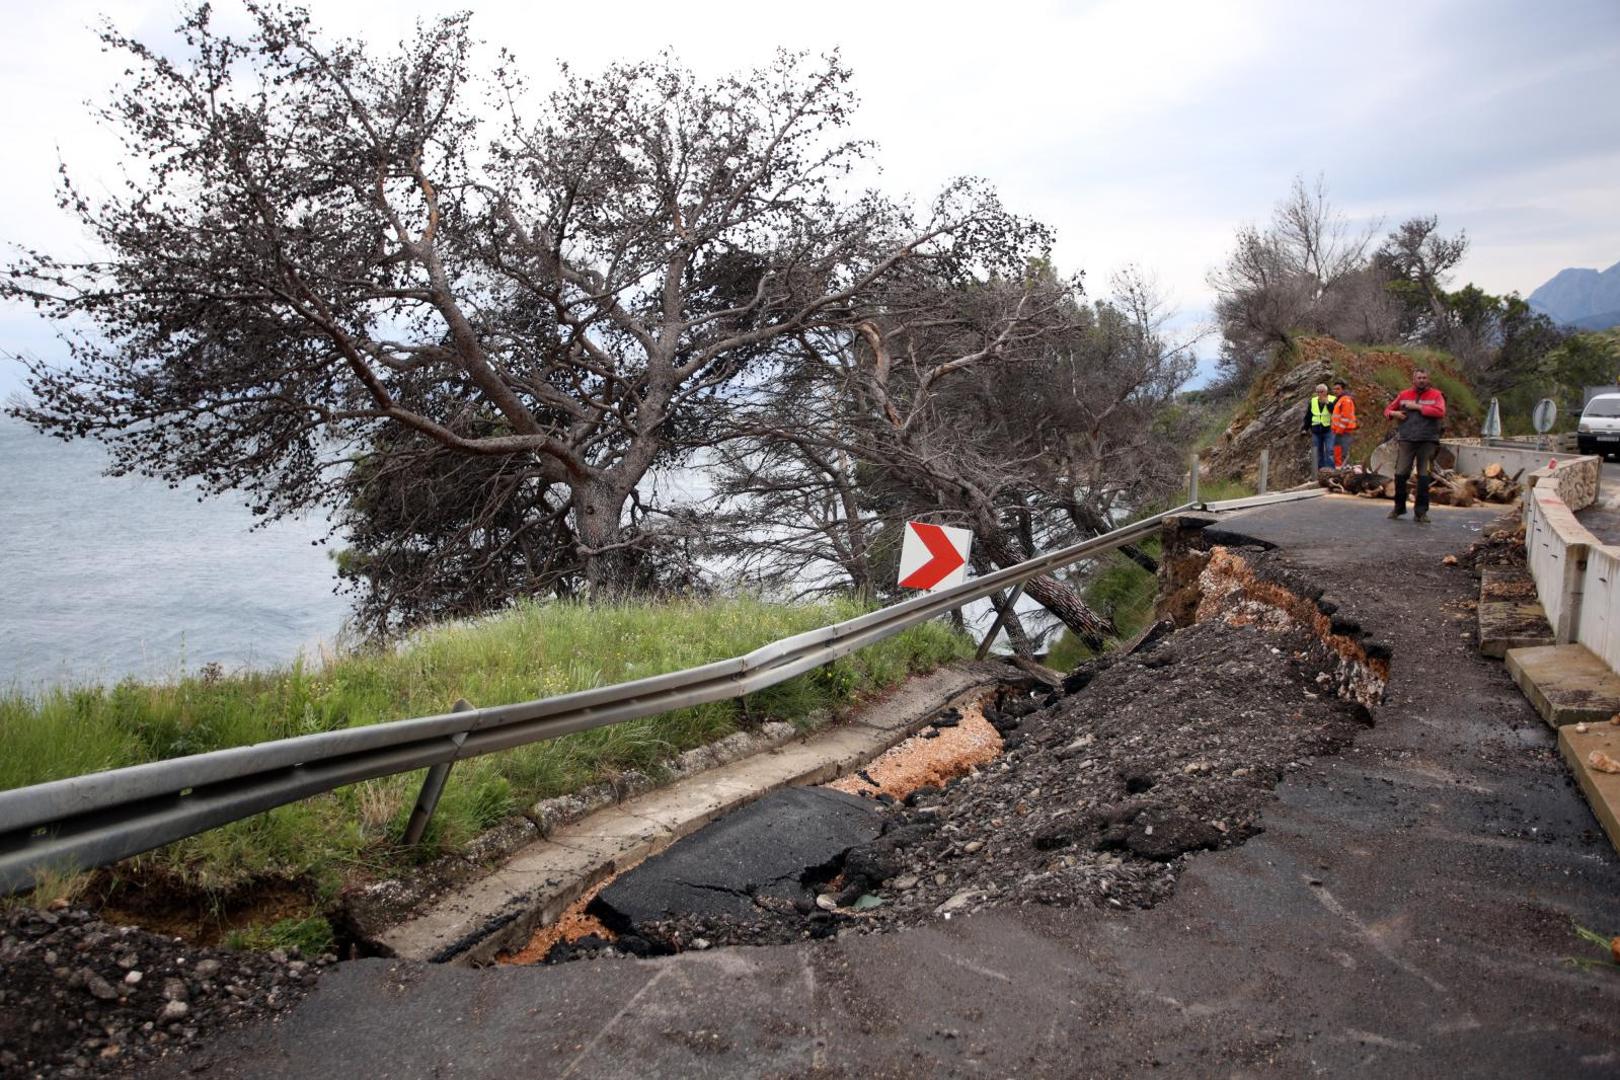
(1557, 548)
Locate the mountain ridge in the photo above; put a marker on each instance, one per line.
(1581, 297)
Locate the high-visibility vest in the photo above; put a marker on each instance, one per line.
(1321, 411)
(1344, 415)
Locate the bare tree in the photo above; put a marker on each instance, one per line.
(1308, 271)
(322, 254)
(1004, 405)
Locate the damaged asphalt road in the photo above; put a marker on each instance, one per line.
(767, 857)
(1404, 908)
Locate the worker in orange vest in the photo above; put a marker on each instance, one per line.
(1344, 423)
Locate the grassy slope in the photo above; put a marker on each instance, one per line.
(534, 651)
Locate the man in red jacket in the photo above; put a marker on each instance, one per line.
(1420, 410)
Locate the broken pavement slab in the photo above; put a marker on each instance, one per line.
(1566, 683)
(500, 912)
(765, 847)
(1510, 616)
(1602, 789)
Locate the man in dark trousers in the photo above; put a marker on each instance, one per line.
(1319, 426)
(1420, 411)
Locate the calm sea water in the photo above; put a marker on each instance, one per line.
(106, 577)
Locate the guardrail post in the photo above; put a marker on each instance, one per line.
(427, 800)
(1265, 469)
(1192, 480)
(1001, 617)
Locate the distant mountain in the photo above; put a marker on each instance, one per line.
(1597, 322)
(1583, 298)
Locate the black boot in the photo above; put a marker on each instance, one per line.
(1400, 498)
(1421, 507)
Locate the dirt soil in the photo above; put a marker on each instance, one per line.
(1101, 793)
(955, 745)
(82, 997)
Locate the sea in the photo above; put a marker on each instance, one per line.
(104, 578)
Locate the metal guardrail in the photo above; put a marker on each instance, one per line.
(99, 818)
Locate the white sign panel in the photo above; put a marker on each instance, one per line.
(933, 556)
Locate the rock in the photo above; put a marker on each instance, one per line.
(206, 969)
(826, 902)
(174, 990)
(132, 978)
(700, 944)
(905, 882)
(99, 988)
(173, 1010)
(959, 901)
(973, 846)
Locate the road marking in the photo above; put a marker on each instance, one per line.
(609, 1026)
(1331, 902)
(818, 1041)
(977, 970)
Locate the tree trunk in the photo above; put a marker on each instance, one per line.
(1066, 604)
(1050, 593)
(1017, 636)
(598, 514)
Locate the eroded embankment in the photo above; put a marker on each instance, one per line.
(1102, 792)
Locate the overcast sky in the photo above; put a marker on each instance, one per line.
(1144, 132)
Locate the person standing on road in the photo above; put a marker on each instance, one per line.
(1344, 423)
(1420, 410)
(1319, 426)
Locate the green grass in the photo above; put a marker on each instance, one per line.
(1222, 488)
(534, 651)
(1458, 394)
(311, 936)
(1393, 378)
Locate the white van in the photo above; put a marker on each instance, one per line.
(1599, 429)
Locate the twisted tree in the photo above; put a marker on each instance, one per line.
(321, 256)
(1002, 403)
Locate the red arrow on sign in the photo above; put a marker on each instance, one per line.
(945, 557)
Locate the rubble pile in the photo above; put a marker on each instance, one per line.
(1102, 790)
(81, 997)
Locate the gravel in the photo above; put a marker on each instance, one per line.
(81, 997)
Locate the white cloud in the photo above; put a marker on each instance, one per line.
(1144, 132)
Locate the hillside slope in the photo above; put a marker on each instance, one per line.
(1270, 416)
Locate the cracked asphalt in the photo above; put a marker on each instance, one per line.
(1406, 911)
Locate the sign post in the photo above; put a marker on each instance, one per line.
(1545, 413)
(933, 556)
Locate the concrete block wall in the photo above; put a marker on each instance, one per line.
(1557, 549)
(1598, 627)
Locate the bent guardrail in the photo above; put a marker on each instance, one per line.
(93, 820)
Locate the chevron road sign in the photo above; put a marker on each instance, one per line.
(933, 556)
